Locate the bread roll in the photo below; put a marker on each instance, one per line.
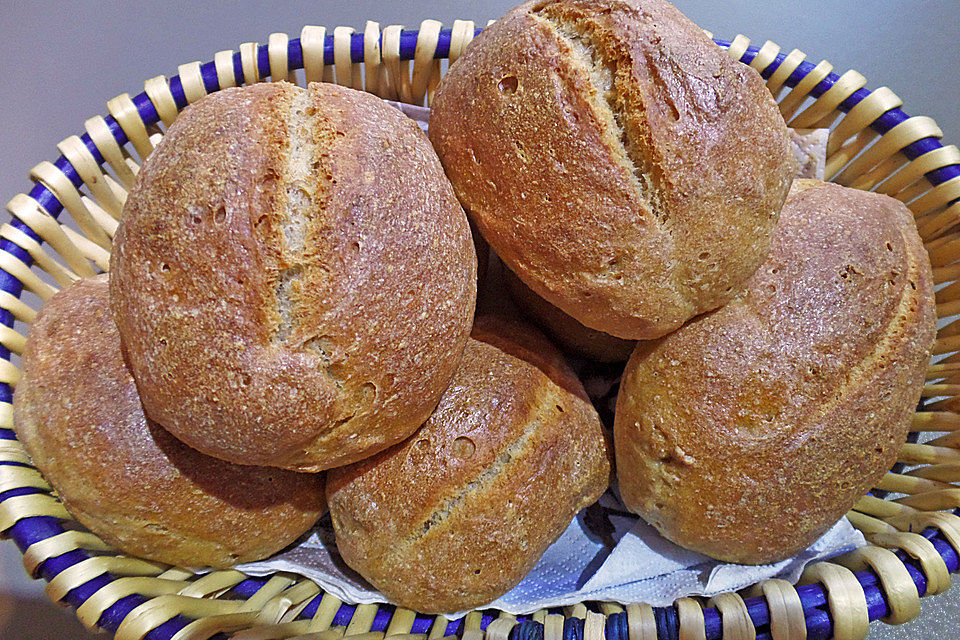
(458, 514)
(120, 474)
(749, 432)
(618, 161)
(293, 278)
(566, 330)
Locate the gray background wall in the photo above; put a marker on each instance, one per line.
(62, 61)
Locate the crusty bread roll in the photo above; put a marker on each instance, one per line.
(126, 479)
(617, 160)
(564, 329)
(749, 432)
(293, 278)
(459, 513)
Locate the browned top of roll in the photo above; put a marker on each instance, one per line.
(459, 513)
(77, 413)
(617, 160)
(750, 431)
(294, 279)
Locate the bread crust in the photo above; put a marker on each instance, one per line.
(294, 279)
(458, 514)
(564, 329)
(77, 413)
(750, 431)
(617, 160)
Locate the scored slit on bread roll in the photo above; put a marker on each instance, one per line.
(618, 161)
(750, 431)
(293, 277)
(77, 413)
(458, 514)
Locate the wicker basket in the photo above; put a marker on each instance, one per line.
(909, 518)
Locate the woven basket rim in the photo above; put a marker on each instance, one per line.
(28, 527)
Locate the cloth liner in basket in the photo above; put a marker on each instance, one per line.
(914, 532)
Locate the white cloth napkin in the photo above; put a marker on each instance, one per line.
(606, 554)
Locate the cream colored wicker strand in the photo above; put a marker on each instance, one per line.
(922, 550)
(398, 71)
(86, 570)
(401, 622)
(283, 630)
(690, 616)
(92, 609)
(41, 259)
(765, 56)
(553, 627)
(248, 61)
(329, 605)
(426, 68)
(223, 63)
(277, 51)
(20, 310)
(868, 524)
(787, 619)
(15, 509)
(116, 156)
(125, 113)
(10, 451)
(158, 90)
(362, 619)
(917, 169)
(156, 611)
(349, 73)
(935, 199)
(13, 477)
(937, 225)
(191, 79)
(373, 71)
(60, 186)
(44, 225)
(460, 36)
(845, 598)
(901, 592)
(471, 626)
(12, 340)
(312, 39)
(910, 485)
(738, 47)
(734, 617)
(777, 79)
(279, 607)
(861, 116)
(90, 250)
(93, 177)
(499, 629)
(9, 374)
(794, 99)
(900, 136)
(824, 109)
(641, 622)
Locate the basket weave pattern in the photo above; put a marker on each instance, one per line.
(915, 534)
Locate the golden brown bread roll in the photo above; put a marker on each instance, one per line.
(458, 514)
(120, 474)
(749, 432)
(293, 277)
(618, 161)
(565, 329)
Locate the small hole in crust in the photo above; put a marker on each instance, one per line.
(508, 84)
(913, 285)
(559, 408)
(889, 247)
(220, 215)
(703, 255)
(477, 572)
(165, 268)
(196, 219)
(355, 246)
(162, 342)
(463, 448)
(245, 380)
